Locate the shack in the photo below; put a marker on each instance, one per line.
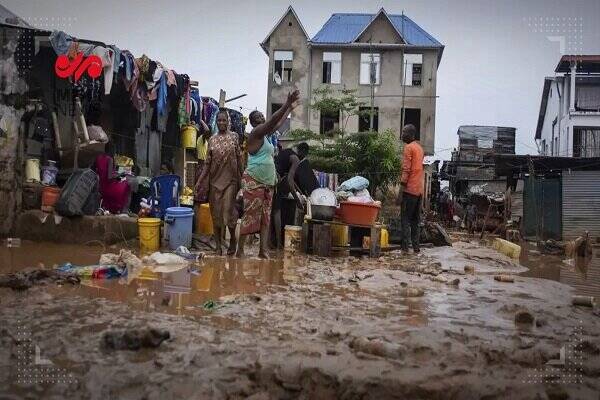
(473, 165)
(64, 101)
(560, 197)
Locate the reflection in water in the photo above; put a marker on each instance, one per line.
(581, 273)
(183, 290)
(32, 254)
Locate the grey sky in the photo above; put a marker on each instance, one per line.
(491, 73)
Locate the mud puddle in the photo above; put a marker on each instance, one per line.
(37, 254)
(580, 273)
(192, 290)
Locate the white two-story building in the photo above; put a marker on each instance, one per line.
(569, 120)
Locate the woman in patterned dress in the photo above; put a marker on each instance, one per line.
(223, 167)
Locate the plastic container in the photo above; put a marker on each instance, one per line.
(293, 238)
(32, 170)
(339, 235)
(178, 227)
(50, 195)
(384, 238)
(188, 137)
(149, 230)
(204, 225)
(359, 213)
(49, 173)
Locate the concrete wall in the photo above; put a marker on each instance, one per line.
(388, 94)
(308, 70)
(380, 30)
(288, 35)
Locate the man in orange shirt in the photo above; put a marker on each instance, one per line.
(411, 190)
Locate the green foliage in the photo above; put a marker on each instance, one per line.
(375, 156)
(345, 102)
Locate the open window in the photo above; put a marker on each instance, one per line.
(364, 119)
(412, 70)
(282, 68)
(330, 121)
(370, 66)
(332, 67)
(413, 116)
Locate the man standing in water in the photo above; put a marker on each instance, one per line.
(411, 191)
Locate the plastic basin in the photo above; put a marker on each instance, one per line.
(359, 213)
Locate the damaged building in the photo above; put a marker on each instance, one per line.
(472, 167)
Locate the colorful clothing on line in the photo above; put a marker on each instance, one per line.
(258, 200)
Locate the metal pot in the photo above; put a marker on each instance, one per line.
(324, 213)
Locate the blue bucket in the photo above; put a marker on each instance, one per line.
(179, 222)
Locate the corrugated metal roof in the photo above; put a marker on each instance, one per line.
(345, 28)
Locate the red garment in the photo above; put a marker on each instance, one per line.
(412, 169)
(114, 192)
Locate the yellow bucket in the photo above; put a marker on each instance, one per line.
(293, 238)
(149, 229)
(188, 137)
(204, 225)
(339, 235)
(384, 238)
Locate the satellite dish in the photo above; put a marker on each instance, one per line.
(277, 78)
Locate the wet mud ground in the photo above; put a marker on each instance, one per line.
(303, 327)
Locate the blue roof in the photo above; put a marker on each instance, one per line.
(344, 28)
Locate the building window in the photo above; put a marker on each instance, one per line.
(413, 69)
(370, 66)
(413, 116)
(282, 69)
(330, 121)
(364, 119)
(586, 142)
(332, 68)
(543, 147)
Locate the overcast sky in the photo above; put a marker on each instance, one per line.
(497, 51)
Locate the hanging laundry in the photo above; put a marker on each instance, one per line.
(60, 41)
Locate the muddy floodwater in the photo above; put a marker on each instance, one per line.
(430, 326)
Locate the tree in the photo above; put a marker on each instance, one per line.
(375, 156)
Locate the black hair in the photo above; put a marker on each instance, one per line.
(410, 130)
(253, 115)
(223, 111)
(303, 147)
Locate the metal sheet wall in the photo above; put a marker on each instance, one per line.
(581, 203)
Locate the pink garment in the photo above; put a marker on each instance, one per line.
(114, 192)
(171, 78)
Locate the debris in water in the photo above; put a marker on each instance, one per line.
(377, 347)
(135, 339)
(209, 305)
(469, 269)
(504, 278)
(411, 292)
(524, 317)
(586, 301)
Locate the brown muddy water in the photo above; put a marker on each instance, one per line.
(303, 327)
